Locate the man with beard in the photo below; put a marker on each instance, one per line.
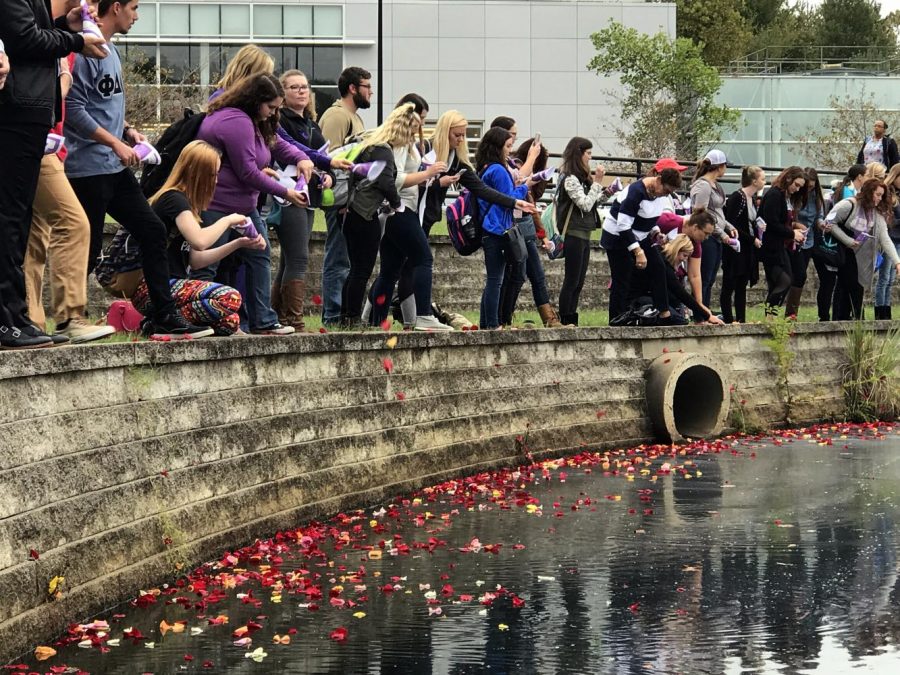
(340, 123)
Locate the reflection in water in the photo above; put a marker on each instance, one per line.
(786, 561)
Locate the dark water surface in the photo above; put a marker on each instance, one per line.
(785, 560)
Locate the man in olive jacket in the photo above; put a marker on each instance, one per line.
(30, 103)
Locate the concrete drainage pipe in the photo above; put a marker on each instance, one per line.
(687, 397)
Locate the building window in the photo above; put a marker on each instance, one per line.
(235, 20)
(147, 23)
(205, 20)
(328, 22)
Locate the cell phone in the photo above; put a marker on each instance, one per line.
(537, 138)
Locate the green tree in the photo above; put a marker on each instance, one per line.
(667, 92)
(762, 13)
(854, 25)
(717, 26)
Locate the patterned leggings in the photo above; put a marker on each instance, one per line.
(202, 303)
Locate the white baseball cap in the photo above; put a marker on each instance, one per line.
(716, 157)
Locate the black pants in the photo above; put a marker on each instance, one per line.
(799, 264)
(825, 294)
(23, 147)
(848, 295)
(779, 276)
(621, 270)
(578, 255)
(362, 237)
(734, 285)
(120, 196)
(403, 246)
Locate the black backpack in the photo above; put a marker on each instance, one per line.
(169, 146)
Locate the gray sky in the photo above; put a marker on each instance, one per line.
(887, 6)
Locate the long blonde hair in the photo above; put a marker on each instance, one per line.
(875, 170)
(680, 243)
(889, 181)
(400, 129)
(310, 109)
(194, 174)
(249, 60)
(441, 138)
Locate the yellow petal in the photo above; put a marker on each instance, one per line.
(359, 615)
(43, 653)
(503, 626)
(391, 342)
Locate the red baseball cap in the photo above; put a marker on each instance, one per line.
(668, 163)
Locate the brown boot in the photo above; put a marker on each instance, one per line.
(292, 296)
(792, 302)
(275, 299)
(549, 317)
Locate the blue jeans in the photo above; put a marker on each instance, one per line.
(514, 276)
(258, 272)
(404, 243)
(335, 267)
(709, 265)
(495, 248)
(886, 275)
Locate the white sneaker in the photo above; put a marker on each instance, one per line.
(274, 329)
(430, 323)
(78, 330)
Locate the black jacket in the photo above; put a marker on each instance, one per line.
(34, 44)
(367, 196)
(888, 152)
(779, 230)
(434, 206)
(745, 263)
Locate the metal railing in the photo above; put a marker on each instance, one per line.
(816, 60)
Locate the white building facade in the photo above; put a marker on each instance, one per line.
(525, 59)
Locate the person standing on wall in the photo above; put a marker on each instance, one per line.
(706, 193)
(879, 147)
(579, 194)
(101, 155)
(30, 104)
(886, 272)
(628, 244)
(779, 206)
(740, 269)
(340, 123)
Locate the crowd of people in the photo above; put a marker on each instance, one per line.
(193, 255)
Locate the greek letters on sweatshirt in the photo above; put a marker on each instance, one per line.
(96, 100)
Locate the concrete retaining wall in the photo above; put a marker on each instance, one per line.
(121, 463)
(459, 280)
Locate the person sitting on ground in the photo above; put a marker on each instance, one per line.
(186, 193)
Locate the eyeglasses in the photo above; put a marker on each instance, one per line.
(298, 87)
(364, 86)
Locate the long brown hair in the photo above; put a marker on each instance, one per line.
(194, 174)
(247, 95)
(812, 176)
(573, 163)
(866, 195)
(788, 176)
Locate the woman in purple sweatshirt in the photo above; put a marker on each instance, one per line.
(242, 124)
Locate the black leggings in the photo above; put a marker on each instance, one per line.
(734, 285)
(825, 294)
(362, 238)
(848, 296)
(578, 255)
(779, 276)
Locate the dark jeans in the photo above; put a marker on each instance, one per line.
(404, 243)
(621, 270)
(257, 266)
(578, 255)
(23, 148)
(120, 196)
(335, 266)
(293, 235)
(709, 265)
(779, 276)
(825, 294)
(734, 285)
(361, 237)
(848, 295)
(534, 270)
(495, 256)
(799, 264)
